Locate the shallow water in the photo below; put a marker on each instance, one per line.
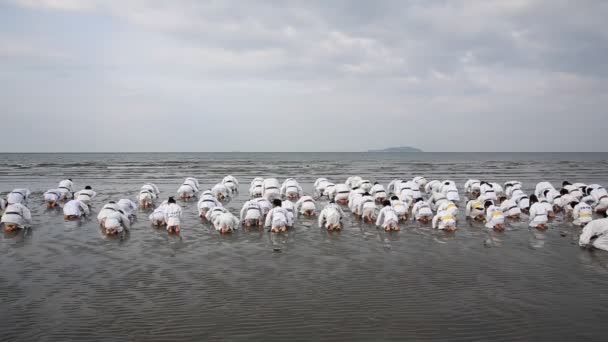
(63, 281)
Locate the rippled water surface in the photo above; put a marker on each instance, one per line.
(63, 281)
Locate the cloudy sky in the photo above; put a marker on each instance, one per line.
(315, 75)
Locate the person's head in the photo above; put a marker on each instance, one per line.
(171, 200)
(533, 199)
(502, 199)
(366, 194)
(573, 204)
(386, 203)
(588, 191)
(545, 192)
(483, 182)
(375, 183)
(70, 179)
(277, 202)
(564, 183)
(88, 187)
(112, 202)
(332, 201)
(564, 192)
(418, 200)
(487, 204)
(394, 198)
(446, 183)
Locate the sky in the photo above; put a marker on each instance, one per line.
(315, 75)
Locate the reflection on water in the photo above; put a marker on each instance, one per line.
(63, 280)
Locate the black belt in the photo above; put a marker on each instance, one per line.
(254, 208)
(13, 213)
(513, 207)
(209, 200)
(18, 192)
(380, 191)
(344, 192)
(84, 195)
(63, 187)
(272, 187)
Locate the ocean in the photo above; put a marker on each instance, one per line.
(65, 281)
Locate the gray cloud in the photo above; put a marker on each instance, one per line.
(315, 75)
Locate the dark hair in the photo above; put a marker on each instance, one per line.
(606, 213)
(446, 183)
(533, 199)
(564, 192)
(277, 202)
(375, 183)
(366, 194)
(573, 204)
(564, 183)
(70, 179)
(394, 198)
(483, 182)
(330, 201)
(386, 203)
(418, 199)
(545, 192)
(88, 187)
(502, 198)
(588, 190)
(487, 204)
(111, 202)
(171, 200)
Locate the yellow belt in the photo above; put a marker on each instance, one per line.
(447, 217)
(585, 215)
(497, 214)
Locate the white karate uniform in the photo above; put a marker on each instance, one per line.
(449, 207)
(365, 185)
(420, 181)
(291, 187)
(158, 215)
(76, 208)
(255, 189)
(85, 195)
(264, 204)
(278, 217)
(582, 214)
(271, 189)
(597, 229)
(444, 220)
(221, 190)
(330, 215)
(487, 190)
(226, 220)
(541, 187)
(52, 196)
(494, 216)
(111, 216)
(213, 213)
(342, 192)
(472, 185)
(18, 196)
(353, 182)
(367, 206)
(152, 188)
(378, 192)
(17, 214)
(421, 209)
(291, 210)
(510, 208)
(387, 217)
(306, 203)
(173, 215)
(251, 211)
(538, 214)
(401, 208)
(474, 208)
(66, 185)
(128, 207)
(450, 191)
(231, 183)
(207, 202)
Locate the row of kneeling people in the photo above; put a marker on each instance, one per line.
(489, 201)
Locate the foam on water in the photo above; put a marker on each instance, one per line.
(64, 281)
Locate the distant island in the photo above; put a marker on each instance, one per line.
(398, 149)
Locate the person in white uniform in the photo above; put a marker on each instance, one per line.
(157, 217)
(595, 234)
(231, 183)
(206, 202)
(387, 218)
(277, 219)
(52, 198)
(306, 206)
(582, 213)
(251, 214)
(129, 208)
(226, 223)
(75, 209)
(421, 211)
(331, 216)
(444, 221)
(85, 195)
(173, 215)
(539, 217)
(291, 189)
(112, 219)
(18, 196)
(495, 218)
(16, 216)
